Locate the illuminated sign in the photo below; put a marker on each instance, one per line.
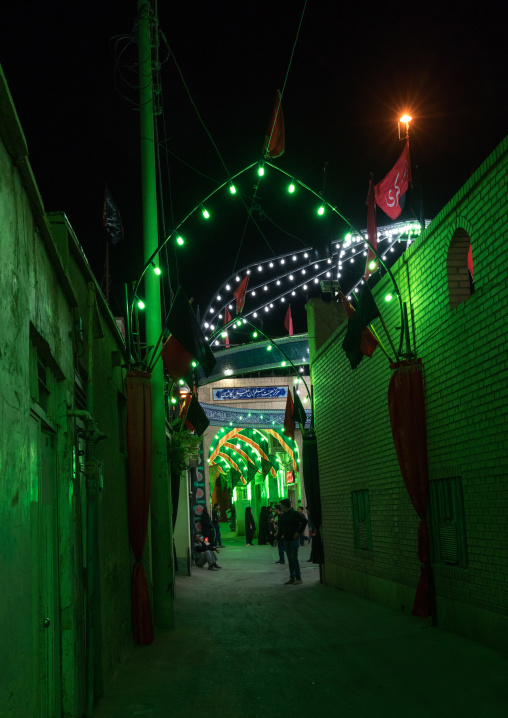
(290, 477)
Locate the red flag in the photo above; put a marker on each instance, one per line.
(289, 423)
(288, 322)
(470, 261)
(275, 139)
(371, 231)
(176, 358)
(240, 293)
(227, 318)
(392, 188)
(368, 341)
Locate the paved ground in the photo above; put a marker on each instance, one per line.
(247, 646)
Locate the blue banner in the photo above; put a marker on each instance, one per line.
(236, 393)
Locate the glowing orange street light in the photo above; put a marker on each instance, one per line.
(405, 120)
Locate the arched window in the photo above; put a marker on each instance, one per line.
(459, 267)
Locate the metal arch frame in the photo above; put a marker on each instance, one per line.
(229, 182)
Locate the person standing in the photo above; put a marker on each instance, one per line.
(293, 525)
(206, 526)
(280, 541)
(216, 525)
(250, 526)
(263, 526)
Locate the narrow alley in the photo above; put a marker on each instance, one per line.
(247, 645)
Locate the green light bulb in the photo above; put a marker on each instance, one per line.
(194, 364)
(321, 210)
(372, 265)
(269, 348)
(181, 382)
(206, 213)
(254, 334)
(389, 297)
(283, 363)
(180, 241)
(232, 189)
(261, 170)
(291, 188)
(157, 271)
(141, 304)
(173, 400)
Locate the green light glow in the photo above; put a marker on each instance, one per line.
(180, 241)
(261, 170)
(194, 364)
(269, 348)
(239, 324)
(224, 334)
(372, 265)
(321, 210)
(254, 334)
(291, 188)
(348, 237)
(283, 363)
(206, 213)
(141, 304)
(232, 189)
(181, 382)
(157, 271)
(388, 297)
(173, 400)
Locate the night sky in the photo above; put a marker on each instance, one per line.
(354, 70)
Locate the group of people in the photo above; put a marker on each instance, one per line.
(279, 525)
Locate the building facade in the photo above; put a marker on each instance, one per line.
(458, 329)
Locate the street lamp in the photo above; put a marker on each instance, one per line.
(404, 120)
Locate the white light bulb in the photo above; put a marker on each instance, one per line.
(271, 305)
(282, 299)
(237, 279)
(291, 277)
(266, 309)
(315, 266)
(329, 261)
(206, 339)
(283, 261)
(352, 259)
(337, 246)
(260, 268)
(206, 325)
(271, 264)
(294, 258)
(303, 271)
(278, 282)
(339, 275)
(253, 292)
(316, 280)
(219, 298)
(328, 274)
(293, 293)
(248, 271)
(228, 287)
(244, 321)
(265, 288)
(231, 306)
(364, 254)
(211, 310)
(255, 314)
(216, 342)
(306, 255)
(304, 286)
(212, 327)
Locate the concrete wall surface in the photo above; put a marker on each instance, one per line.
(459, 335)
(44, 370)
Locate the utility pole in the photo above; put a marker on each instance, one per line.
(160, 505)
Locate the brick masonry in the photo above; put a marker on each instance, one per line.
(461, 339)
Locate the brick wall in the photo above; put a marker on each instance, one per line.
(461, 339)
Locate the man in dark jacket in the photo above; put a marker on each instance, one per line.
(290, 529)
(216, 526)
(280, 541)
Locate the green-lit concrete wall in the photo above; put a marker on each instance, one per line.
(43, 284)
(463, 349)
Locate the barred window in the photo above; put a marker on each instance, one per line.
(447, 525)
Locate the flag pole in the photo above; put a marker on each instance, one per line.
(107, 273)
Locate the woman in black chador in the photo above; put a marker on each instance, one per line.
(263, 526)
(250, 526)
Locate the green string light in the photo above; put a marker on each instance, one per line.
(141, 304)
(180, 241)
